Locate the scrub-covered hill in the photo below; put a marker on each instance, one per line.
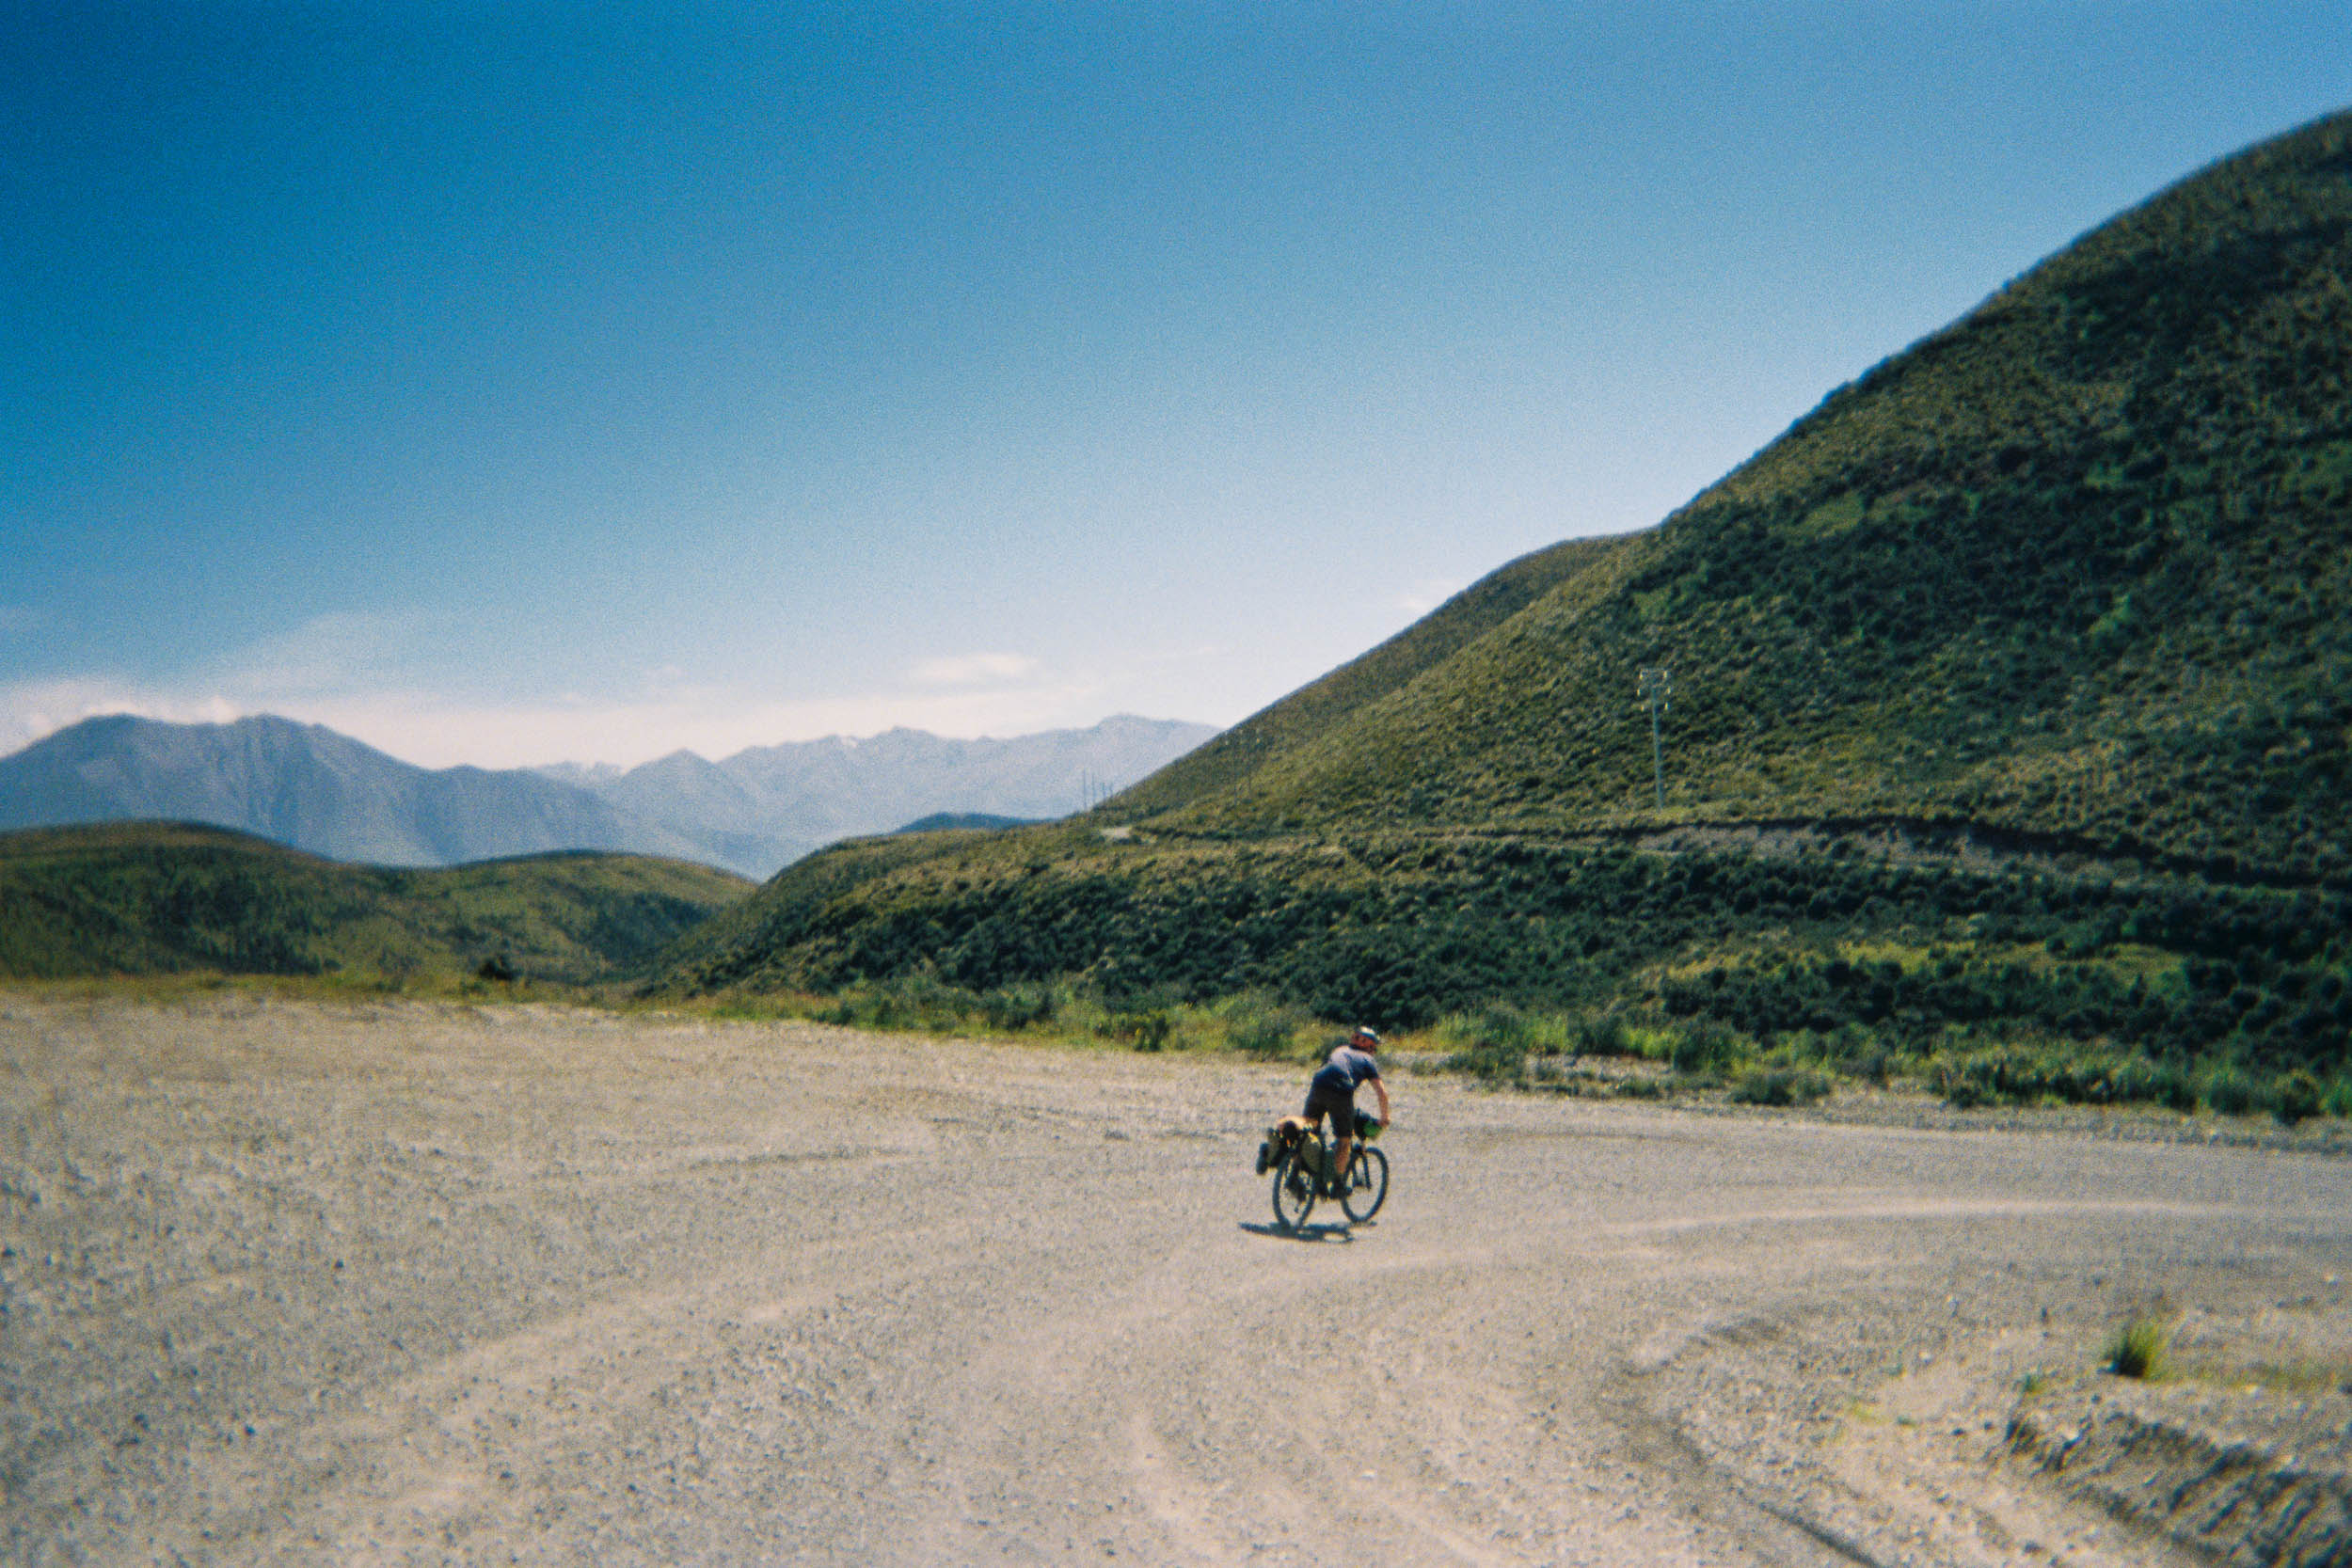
(150, 899)
(2009, 708)
(2075, 567)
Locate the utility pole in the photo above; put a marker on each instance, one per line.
(1654, 687)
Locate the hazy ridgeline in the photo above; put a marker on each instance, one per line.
(306, 786)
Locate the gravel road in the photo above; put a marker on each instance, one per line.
(286, 1282)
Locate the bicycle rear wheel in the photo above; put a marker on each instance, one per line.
(1367, 1184)
(1294, 1192)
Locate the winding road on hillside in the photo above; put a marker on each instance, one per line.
(289, 1283)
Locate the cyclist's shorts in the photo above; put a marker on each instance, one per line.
(1339, 1105)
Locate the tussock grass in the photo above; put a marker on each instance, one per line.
(2142, 1347)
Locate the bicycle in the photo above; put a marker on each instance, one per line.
(1299, 1165)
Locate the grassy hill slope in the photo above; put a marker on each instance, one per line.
(2008, 718)
(145, 898)
(1306, 718)
(2075, 566)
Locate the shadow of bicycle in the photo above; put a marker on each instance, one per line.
(1341, 1232)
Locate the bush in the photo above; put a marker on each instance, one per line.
(1705, 1046)
(1018, 1006)
(1856, 1052)
(1602, 1037)
(2298, 1097)
(2231, 1092)
(1146, 1029)
(1492, 1064)
(1493, 1046)
(1262, 1028)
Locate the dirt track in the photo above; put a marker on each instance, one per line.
(294, 1284)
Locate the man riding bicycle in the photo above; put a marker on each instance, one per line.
(1332, 1093)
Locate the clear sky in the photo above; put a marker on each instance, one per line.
(507, 384)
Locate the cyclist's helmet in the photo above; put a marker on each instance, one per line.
(1365, 1037)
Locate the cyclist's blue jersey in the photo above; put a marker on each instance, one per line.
(1346, 1067)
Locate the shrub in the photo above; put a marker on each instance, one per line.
(1146, 1029)
(1262, 1028)
(1602, 1037)
(1706, 1046)
(1965, 1086)
(1017, 1007)
(2231, 1092)
(1493, 1064)
(1493, 1046)
(2298, 1097)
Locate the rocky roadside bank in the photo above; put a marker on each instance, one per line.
(2246, 1485)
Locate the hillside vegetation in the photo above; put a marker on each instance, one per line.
(2075, 567)
(150, 899)
(2006, 747)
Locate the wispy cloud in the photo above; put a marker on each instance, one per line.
(361, 674)
(347, 672)
(713, 721)
(971, 668)
(328, 654)
(419, 727)
(30, 710)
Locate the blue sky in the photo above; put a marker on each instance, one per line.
(516, 384)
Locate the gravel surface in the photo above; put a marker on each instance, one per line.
(285, 1282)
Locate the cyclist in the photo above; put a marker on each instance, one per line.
(1332, 1093)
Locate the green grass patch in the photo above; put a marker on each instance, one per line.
(2142, 1347)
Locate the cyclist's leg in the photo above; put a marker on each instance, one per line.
(1342, 1120)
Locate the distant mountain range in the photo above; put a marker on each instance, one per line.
(310, 787)
(765, 807)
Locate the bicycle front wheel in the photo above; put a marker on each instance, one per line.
(1367, 1184)
(1294, 1192)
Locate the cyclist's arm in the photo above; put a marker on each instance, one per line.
(1382, 1090)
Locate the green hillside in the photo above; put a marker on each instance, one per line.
(150, 899)
(2009, 725)
(1303, 721)
(2075, 566)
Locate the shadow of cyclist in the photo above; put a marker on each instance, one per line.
(1341, 1232)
